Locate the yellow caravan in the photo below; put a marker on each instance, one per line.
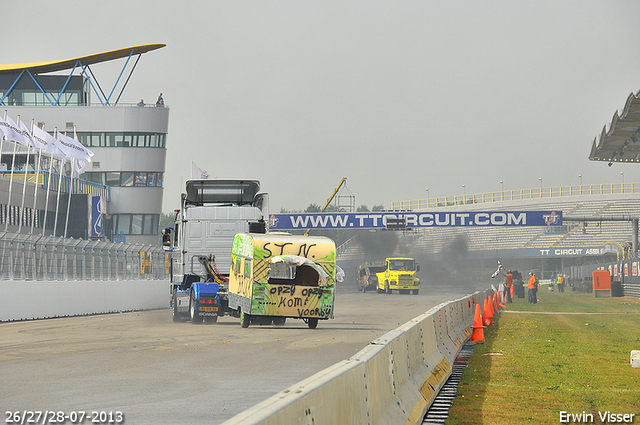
(276, 276)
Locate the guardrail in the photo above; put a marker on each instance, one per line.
(392, 381)
(518, 195)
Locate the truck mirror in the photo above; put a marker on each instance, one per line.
(417, 267)
(166, 238)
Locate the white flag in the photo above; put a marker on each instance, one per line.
(50, 143)
(11, 131)
(73, 148)
(197, 172)
(81, 165)
(31, 141)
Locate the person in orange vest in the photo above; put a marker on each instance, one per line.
(533, 288)
(508, 283)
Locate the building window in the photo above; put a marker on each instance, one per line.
(151, 223)
(126, 179)
(123, 223)
(122, 140)
(113, 179)
(141, 179)
(136, 224)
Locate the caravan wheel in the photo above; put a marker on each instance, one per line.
(245, 319)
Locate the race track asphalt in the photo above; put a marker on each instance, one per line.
(159, 372)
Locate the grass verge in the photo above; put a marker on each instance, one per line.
(570, 352)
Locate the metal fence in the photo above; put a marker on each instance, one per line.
(518, 195)
(31, 257)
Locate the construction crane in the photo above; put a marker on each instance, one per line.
(333, 195)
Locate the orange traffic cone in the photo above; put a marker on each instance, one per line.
(488, 313)
(478, 328)
(500, 301)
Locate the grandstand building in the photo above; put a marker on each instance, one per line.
(128, 142)
(591, 237)
(458, 254)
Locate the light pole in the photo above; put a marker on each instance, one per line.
(427, 189)
(502, 190)
(540, 178)
(502, 185)
(464, 200)
(580, 175)
(622, 188)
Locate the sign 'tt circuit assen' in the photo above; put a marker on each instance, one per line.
(414, 219)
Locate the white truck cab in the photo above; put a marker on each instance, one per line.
(211, 213)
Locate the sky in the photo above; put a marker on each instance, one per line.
(396, 96)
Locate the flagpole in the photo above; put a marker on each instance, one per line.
(2, 139)
(35, 192)
(46, 202)
(13, 163)
(73, 167)
(55, 225)
(35, 186)
(24, 184)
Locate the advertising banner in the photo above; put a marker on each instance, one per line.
(414, 219)
(97, 216)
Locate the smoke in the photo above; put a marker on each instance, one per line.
(453, 268)
(459, 249)
(378, 245)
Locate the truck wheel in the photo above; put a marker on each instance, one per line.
(389, 290)
(415, 291)
(244, 319)
(195, 316)
(279, 321)
(174, 310)
(312, 323)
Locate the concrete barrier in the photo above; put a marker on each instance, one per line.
(26, 300)
(392, 381)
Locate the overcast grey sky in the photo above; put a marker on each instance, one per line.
(396, 96)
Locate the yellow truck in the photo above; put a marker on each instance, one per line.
(399, 274)
(275, 276)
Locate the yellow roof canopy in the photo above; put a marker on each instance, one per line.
(61, 65)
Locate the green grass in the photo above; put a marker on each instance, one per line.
(544, 361)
